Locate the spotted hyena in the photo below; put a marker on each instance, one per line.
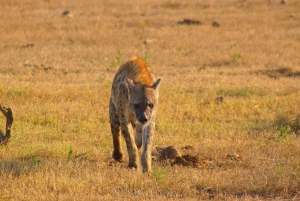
(132, 106)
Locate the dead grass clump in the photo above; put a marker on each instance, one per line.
(190, 161)
(189, 22)
(188, 147)
(280, 72)
(215, 24)
(38, 67)
(207, 193)
(173, 5)
(234, 157)
(287, 124)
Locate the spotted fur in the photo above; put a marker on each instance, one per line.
(132, 108)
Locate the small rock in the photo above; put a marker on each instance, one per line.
(215, 24)
(67, 14)
(219, 99)
(283, 2)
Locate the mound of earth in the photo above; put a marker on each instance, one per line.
(190, 161)
(168, 153)
(176, 158)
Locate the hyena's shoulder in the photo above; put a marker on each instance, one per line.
(137, 69)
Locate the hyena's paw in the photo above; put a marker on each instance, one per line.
(118, 156)
(132, 165)
(145, 170)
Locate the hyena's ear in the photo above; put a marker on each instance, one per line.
(156, 84)
(129, 82)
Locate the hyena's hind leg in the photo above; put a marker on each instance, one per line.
(117, 152)
(116, 134)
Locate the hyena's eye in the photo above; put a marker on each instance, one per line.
(135, 105)
(151, 105)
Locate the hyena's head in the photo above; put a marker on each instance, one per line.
(142, 100)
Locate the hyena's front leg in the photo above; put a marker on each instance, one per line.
(148, 133)
(127, 132)
(138, 136)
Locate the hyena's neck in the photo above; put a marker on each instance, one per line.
(141, 73)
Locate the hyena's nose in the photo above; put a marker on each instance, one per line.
(143, 119)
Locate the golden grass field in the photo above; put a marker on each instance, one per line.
(56, 73)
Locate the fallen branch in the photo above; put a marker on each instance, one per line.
(7, 112)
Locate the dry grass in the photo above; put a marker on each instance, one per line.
(56, 73)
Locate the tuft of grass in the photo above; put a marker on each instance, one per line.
(146, 58)
(180, 48)
(287, 123)
(282, 134)
(244, 92)
(70, 154)
(117, 60)
(160, 174)
(13, 92)
(36, 160)
(236, 56)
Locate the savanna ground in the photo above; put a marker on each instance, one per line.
(230, 91)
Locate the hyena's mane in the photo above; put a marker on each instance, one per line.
(141, 72)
